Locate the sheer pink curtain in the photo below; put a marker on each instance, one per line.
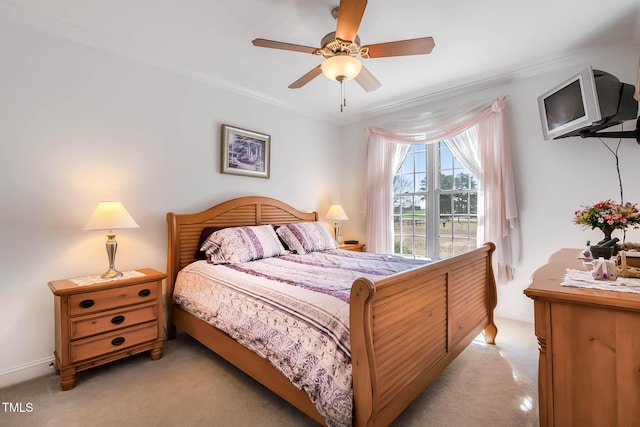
(378, 192)
(498, 202)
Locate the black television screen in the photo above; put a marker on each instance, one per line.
(569, 106)
(564, 106)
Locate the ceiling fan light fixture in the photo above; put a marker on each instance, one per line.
(341, 67)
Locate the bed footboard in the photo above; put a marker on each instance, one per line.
(406, 328)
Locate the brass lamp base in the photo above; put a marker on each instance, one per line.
(112, 246)
(336, 231)
(112, 273)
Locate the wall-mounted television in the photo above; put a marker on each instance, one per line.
(587, 102)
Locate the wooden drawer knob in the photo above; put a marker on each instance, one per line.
(144, 293)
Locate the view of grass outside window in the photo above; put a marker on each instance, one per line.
(435, 204)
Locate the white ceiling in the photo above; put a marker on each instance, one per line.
(476, 41)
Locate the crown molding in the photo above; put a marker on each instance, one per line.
(462, 88)
(65, 31)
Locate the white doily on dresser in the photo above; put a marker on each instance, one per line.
(584, 279)
(90, 280)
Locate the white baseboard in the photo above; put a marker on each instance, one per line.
(26, 372)
(513, 314)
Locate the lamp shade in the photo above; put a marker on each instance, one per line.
(341, 67)
(336, 213)
(110, 216)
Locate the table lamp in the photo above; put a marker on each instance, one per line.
(110, 216)
(337, 214)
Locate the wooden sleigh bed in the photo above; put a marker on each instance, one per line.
(405, 329)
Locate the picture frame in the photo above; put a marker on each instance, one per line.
(245, 152)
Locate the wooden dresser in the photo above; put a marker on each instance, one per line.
(99, 322)
(589, 367)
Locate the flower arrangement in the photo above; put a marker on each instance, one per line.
(608, 215)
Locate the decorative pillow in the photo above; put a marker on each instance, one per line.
(204, 235)
(305, 237)
(242, 244)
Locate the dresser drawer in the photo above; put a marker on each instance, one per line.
(103, 344)
(107, 321)
(108, 299)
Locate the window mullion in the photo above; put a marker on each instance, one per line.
(433, 208)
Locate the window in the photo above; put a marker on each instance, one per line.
(435, 204)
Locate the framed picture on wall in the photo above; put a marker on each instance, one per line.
(245, 152)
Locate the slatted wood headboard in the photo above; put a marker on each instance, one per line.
(185, 229)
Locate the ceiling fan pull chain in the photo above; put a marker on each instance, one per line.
(342, 100)
(344, 93)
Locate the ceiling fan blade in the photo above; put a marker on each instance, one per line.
(349, 17)
(284, 46)
(419, 46)
(367, 81)
(306, 78)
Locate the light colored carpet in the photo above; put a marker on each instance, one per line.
(191, 386)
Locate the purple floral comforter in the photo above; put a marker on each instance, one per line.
(292, 310)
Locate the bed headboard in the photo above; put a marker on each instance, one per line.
(185, 229)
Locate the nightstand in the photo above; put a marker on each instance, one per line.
(358, 247)
(98, 321)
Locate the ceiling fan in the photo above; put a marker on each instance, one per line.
(341, 47)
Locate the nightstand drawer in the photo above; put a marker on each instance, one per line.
(115, 341)
(354, 247)
(108, 299)
(111, 320)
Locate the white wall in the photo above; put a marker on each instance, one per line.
(553, 178)
(80, 126)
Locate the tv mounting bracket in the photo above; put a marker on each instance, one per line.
(622, 134)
